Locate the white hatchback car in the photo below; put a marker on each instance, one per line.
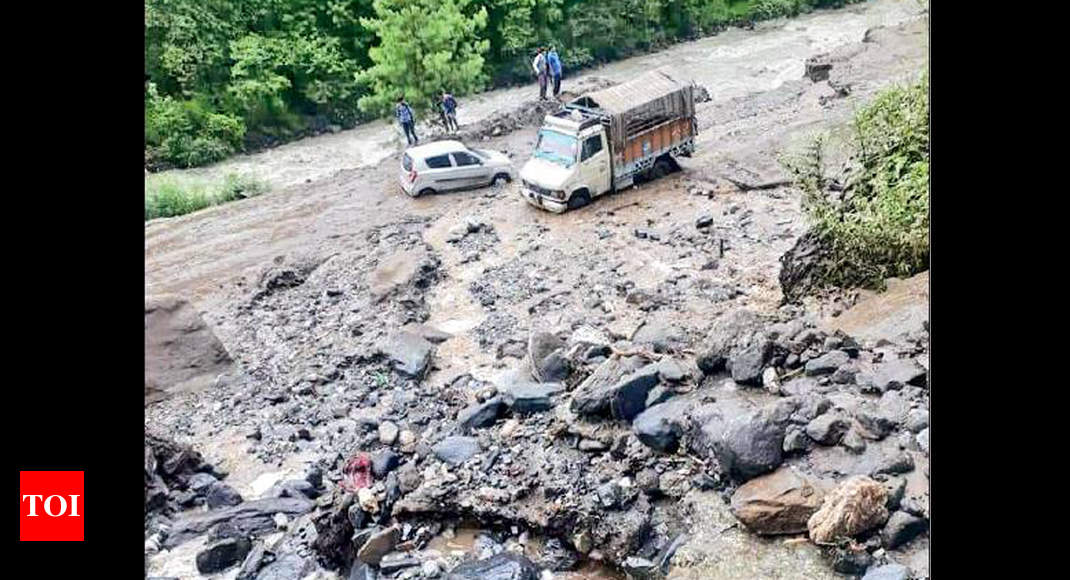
(448, 165)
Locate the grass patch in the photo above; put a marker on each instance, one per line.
(875, 224)
(170, 196)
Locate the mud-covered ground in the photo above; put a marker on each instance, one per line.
(364, 321)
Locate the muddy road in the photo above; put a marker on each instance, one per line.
(305, 285)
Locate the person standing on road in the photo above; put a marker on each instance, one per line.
(403, 112)
(541, 71)
(555, 69)
(449, 108)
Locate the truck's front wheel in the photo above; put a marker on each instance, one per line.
(579, 199)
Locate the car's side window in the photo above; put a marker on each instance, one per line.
(463, 159)
(438, 162)
(591, 146)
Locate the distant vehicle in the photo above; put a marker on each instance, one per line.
(604, 140)
(449, 165)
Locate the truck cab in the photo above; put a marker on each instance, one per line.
(570, 164)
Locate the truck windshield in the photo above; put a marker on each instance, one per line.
(556, 148)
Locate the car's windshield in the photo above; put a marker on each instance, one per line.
(556, 148)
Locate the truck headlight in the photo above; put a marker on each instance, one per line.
(557, 194)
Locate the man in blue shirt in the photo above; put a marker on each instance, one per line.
(555, 69)
(403, 112)
(449, 108)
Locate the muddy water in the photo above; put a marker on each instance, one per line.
(732, 64)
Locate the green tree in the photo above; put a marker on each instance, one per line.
(424, 46)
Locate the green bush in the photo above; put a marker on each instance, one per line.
(188, 133)
(167, 196)
(878, 225)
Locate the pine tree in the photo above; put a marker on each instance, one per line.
(424, 46)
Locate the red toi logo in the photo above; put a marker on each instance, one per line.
(51, 506)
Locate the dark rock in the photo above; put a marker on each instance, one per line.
(853, 441)
(901, 528)
(923, 439)
(410, 354)
(747, 364)
(902, 462)
(384, 462)
(557, 556)
(257, 558)
(731, 331)
(876, 424)
(660, 427)
(526, 398)
(658, 395)
(845, 374)
(541, 345)
(200, 482)
(917, 419)
(379, 544)
(888, 572)
(752, 445)
(670, 370)
(804, 267)
(480, 414)
(827, 429)
(818, 67)
(800, 386)
(294, 488)
(660, 335)
(894, 374)
(503, 566)
(250, 517)
(848, 561)
(639, 568)
(896, 487)
(797, 441)
(287, 567)
(397, 561)
(704, 221)
(623, 399)
(223, 555)
(456, 450)
(810, 407)
(609, 494)
(827, 363)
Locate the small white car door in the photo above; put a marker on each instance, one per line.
(439, 173)
(469, 169)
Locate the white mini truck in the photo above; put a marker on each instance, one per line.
(605, 140)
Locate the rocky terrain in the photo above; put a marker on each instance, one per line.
(463, 387)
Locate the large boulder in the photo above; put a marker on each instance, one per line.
(181, 351)
(503, 566)
(747, 364)
(616, 390)
(752, 445)
(778, 503)
(857, 505)
(248, 518)
(409, 353)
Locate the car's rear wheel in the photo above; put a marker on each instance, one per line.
(424, 191)
(499, 180)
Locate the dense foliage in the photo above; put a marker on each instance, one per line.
(227, 75)
(876, 224)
